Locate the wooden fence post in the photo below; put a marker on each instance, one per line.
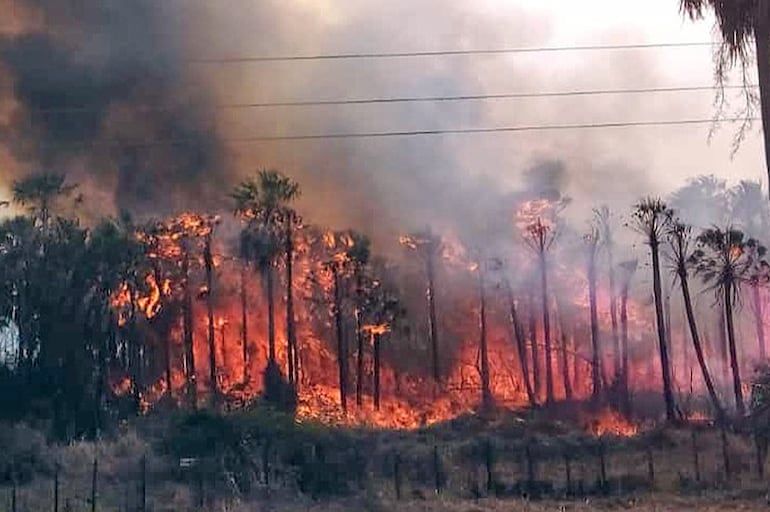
(13, 494)
(397, 475)
(143, 485)
(266, 461)
(530, 465)
(436, 469)
(56, 488)
(650, 465)
(602, 464)
(94, 474)
(725, 452)
(489, 462)
(695, 455)
(568, 471)
(760, 448)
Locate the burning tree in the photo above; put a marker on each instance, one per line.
(603, 220)
(680, 240)
(428, 247)
(650, 218)
(724, 260)
(592, 244)
(540, 236)
(628, 269)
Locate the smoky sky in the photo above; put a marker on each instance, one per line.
(109, 59)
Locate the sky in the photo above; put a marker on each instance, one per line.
(449, 180)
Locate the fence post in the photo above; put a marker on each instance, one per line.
(530, 465)
(94, 474)
(143, 485)
(397, 475)
(568, 471)
(13, 495)
(56, 488)
(489, 462)
(650, 465)
(725, 453)
(602, 464)
(760, 451)
(695, 455)
(436, 469)
(266, 461)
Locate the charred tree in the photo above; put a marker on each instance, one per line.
(592, 240)
(759, 321)
(486, 392)
(359, 343)
(603, 218)
(734, 365)
(291, 328)
(188, 331)
(564, 352)
(342, 349)
(629, 268)
(650, 218)
(208, 260)
(536, 380)
(244, 322)
(376, 349)
(679, 241)
(521, 342)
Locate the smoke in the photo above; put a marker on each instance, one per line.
(106, 61)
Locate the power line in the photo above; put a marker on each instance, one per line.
(438, 53)
(413, 99)
(407, 133)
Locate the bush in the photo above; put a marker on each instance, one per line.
(25, 453)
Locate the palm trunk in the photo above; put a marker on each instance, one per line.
(376, 345)
(244, 324)
(697, 344)
(342, 351)
(187, 327)
(624, 349)
(359, 355)
(486, 393)
(135, 358)
(209, 264)
(733, 352)
(432, 323)
(270, 313)
(617, 363)
(596, 360)
(291, 334)
(762, 41)
(521, 343)
(668, 395)
(549, 396)
(723, 351)
(537, 383)
(564, 353)
(759, 321)
(158, 280)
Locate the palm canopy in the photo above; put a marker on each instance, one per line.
(265, 197)
(736, 20)
(650, 217)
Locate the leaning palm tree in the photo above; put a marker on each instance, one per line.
(650, 218)
(679, 238)
(724, 263)
(739, 22)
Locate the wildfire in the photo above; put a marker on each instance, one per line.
(609, 422)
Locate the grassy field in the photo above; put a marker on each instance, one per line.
(315, 468)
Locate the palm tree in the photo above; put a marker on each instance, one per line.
(680, 240)
(592, 242)
(208, 259)
(628, 269)
(723, 261)
(540, 237)
(739, 22)
(39, 193)
(428, 246)
(520, 339)
(262, 201)
(650, 218)
(603, 219)
(358, 258)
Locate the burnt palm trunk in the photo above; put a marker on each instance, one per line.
(187, 328)
(536, 381)
(624, 348)
(521, 343)
(759, 321)
(762, 41)
(268, 270)
(208, 260)
(596, 361)
(376, 348)
(617, 363)
(342, 350)
(359, 347)
(291, 334)
(549, 395)
(723, 351)
(244, 324)
(668, 395)
(733, 352)
(486, 393)
(697, 343)
(432, 323)
(135, 358)
(564, 354)
(158, 281)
